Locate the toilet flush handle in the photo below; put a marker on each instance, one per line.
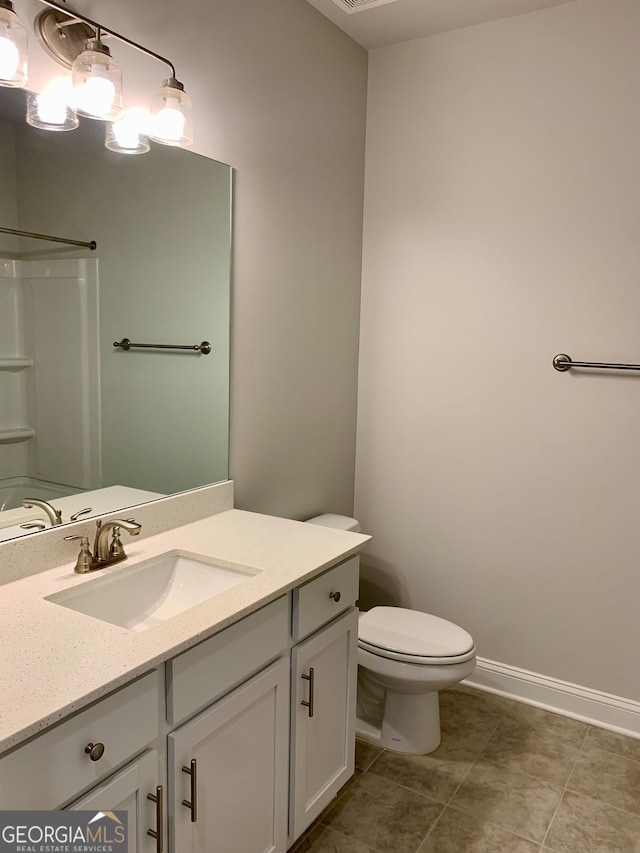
(335, 596)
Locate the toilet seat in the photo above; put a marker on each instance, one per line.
(411, 636)
(418, 660)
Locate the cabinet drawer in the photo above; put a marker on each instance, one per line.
(198, 676)
(53, 767)
(323, 598)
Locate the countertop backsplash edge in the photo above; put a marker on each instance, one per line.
(38, 552)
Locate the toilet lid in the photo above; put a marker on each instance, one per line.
(410, 632)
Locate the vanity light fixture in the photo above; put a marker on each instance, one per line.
(171, 122)
(50, 110)
(97, 82)
(129, 135)
(13, 47)
(76, 42)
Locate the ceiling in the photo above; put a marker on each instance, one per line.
(376, 23)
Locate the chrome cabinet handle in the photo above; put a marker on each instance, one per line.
(157, 832)
(192, 804)
(335, 595)
(95, 751)
(311, 679)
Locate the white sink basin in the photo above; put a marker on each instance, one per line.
(152, 592)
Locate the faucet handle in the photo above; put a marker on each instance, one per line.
(84, 563)
(76, 515)
(116, 549)
(33, 525)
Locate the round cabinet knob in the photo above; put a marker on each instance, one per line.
(335, 596)
(95, 751)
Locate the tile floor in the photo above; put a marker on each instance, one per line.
(507, 778)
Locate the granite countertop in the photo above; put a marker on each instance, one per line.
(56, 660)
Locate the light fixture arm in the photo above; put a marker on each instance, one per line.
(100, 27)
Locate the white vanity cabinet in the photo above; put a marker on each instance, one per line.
(229, 765)
(323, 719)
(261, 778)
(323, 692)
(136, 790)
(228, 771)
(251, 738)
(83, 750)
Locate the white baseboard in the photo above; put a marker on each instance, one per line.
(561, 697)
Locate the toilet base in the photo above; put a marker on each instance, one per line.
(410, 724)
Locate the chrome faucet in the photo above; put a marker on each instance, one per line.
(105, 552)
(54, 515)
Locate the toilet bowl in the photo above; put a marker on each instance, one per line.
(404, 658)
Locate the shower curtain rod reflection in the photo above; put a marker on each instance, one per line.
(16, 233)
(563, 362)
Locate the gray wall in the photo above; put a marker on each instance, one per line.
(280, 95)
(502, 217)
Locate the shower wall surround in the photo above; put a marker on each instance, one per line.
(14, 427)
(48, 330)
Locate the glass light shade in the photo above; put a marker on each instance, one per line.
(13, 49)
(171, 120)
(97, 84)
(128, 135)
(50, 110)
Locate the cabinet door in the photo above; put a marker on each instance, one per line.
(322, 718)
(236, 801)
(127, 791)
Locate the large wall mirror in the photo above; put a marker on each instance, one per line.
(85, 425)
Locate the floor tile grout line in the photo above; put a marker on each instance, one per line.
(541, 728)
(373, 761)
(564, 789)
(504, 766)
(431, 828)
(536, 778)
(450, 802)
(478, 817)
(515, 833)
(457, 788)
(478, 756)
(444, 806)
(411, 790)
(584, 740)
(602, 803)
(598, 800)
(610, 751)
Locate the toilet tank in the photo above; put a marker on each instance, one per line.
(339, 522)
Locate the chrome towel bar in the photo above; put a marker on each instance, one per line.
(563, 362)
(125, 344)
(16, 233)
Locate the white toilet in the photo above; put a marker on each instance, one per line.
(404, 658)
